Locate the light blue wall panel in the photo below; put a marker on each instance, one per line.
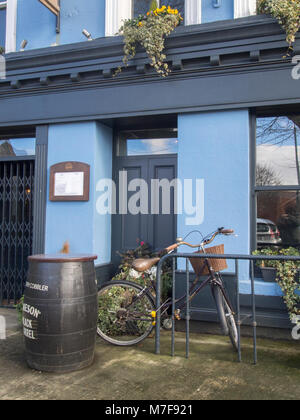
(77, 15)
(103, 170)
(38, 25)
(212, 14)
(78, 222)
(214, 147)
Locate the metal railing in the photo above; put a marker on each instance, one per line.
(237, 258)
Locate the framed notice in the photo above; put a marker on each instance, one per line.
(70, 181)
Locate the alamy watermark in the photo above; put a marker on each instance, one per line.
(160, 196)
(296, 68)
(2, 328)
(296, 329)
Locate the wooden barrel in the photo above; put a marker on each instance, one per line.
(60, 312)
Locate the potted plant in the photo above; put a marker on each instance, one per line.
(286, 274)
(150, 31)
(268, 268)
(287, 12)
(126, 272)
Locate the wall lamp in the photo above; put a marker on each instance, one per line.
(217, 3)
(87, 34)
(23, 44)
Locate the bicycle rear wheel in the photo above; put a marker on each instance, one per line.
(125, 314)
(226, 316)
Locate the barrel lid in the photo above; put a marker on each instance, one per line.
(55, 258)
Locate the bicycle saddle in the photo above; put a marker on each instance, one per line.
(144, 264)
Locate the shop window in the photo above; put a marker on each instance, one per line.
(17, 147)
(278, 181)
(2, 23)
(150, 142)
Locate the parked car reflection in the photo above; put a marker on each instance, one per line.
(267, 233)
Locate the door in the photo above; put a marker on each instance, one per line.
(154, 220)
(16, 224)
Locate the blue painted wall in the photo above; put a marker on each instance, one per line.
(77, 15)
(79, 223)
(38, 25)
(215, 147)
(211, 13)
(2, 27)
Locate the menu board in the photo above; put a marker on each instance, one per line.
(69, 181)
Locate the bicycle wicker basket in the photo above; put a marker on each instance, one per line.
(217, 264)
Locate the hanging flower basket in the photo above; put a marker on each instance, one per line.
(287, 12)
(150, 31)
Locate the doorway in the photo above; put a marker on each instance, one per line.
(150, 156)
(16, 215)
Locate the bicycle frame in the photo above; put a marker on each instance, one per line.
(212, 279)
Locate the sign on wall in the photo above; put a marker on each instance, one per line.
(52, 5)
(69, 181)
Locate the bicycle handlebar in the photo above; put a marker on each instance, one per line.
(220, 231)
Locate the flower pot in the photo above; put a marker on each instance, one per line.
(269, 274)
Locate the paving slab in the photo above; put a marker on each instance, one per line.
(136, 373)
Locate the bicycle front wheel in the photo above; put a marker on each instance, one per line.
(125, 315)
(226, 316)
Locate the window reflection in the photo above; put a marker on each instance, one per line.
(278, 151)
(278, 220)
(148, 142)
(17, 147)
(2, 25)
(136, 147)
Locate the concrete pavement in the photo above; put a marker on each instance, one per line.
(136, 373)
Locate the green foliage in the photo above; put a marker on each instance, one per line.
(19, 308)
(287, 276)
(127, 273)
(287, 12)
(112, 300)
(153, 6)
(150, 32)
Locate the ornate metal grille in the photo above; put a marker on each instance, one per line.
(16, 223)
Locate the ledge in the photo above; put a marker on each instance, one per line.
(108, 52)
(230, 64)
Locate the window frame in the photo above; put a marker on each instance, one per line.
(3, 5)
(255, 189)
(118, 10)
(11, 24)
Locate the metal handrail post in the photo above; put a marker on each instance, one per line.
(187, 309)
(173, 307)
(238, 306)
(158, 299)
(254, 323)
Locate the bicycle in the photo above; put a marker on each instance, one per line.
(127, 312)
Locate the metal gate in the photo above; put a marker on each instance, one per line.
(16, 224)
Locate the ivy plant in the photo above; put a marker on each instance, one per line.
(126, 272)
(150, 31)
(287, 12)
(287, 276)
